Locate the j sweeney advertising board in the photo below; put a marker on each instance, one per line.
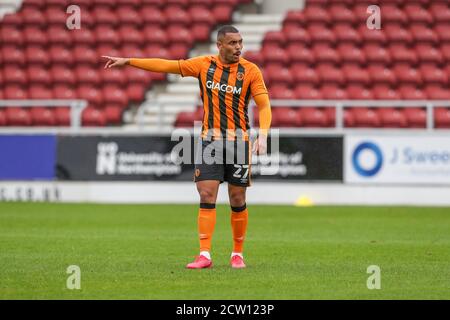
(397, 159)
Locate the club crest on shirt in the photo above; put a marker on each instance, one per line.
(240, 76)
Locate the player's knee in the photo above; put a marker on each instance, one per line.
(237, 199)
(207, 196)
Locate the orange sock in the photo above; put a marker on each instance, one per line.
(239, 220)
(206, 223)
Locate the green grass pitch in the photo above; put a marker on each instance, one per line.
(140, 251)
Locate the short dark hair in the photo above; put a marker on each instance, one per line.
(224, 30)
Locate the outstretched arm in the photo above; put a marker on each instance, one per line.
(152, 64)
(265, 119)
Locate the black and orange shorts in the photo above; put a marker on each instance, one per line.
(223, 160)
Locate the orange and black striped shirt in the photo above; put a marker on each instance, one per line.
(225, 91)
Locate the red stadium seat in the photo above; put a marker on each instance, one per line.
(56, 17)
(372, 36)
(62, 75)
(383, 75)
(11, 36)
(83, 36)
(127, 15)
(64, 92)
(406, 74)
(423, 34)
(18, 117)
(274, 38)
(313, 117)
(40, 92)
(437, 92)
(254, 56)
(410, 92)
(299, 54)
(277, 75)
(135, 75)
(376, 54)
(15, 75)
(15, 91)
(275, 55)
(113, 94)
(316, 15)
(106, 35)
(294, 18)
(442, 117)
(321, 34)
(440, 12)
(280, 91)
(113, 114)
(104, 16)
(112, 76)
(152, 16)
(12, 20)
(356, 75)
(42, 117)
(333, 92)
(61, 55)
(58, 35)
(87, 75)
(85, 55)
(397, 34)
(307, 92)
(62, 116)
(304, 74)
(135, 92)
(155, 35)
(35, 36)
(393, 14)
(359, 92)
(38, 75)
(351, 54)
(383, 92)
(415, 117)
(365, 117)
(93, 95)
(297, 35)
(392, 118)
(3, 121)
(177, 16)
(287, 117)
(185, 119)
(12, 55)
(402, 54)
(37, 55)
(177, 51)
(432, 74)
(345, 33)
(429, 54)
(32, 17)
(330, 74)
(418, 14)
(342, 14)
(179, 35)
(130, 35)
(93, 117)
(443, 33)
(326, 54)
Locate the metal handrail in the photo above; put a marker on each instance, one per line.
(76, 107)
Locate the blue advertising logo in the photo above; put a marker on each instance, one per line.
(378, 159)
